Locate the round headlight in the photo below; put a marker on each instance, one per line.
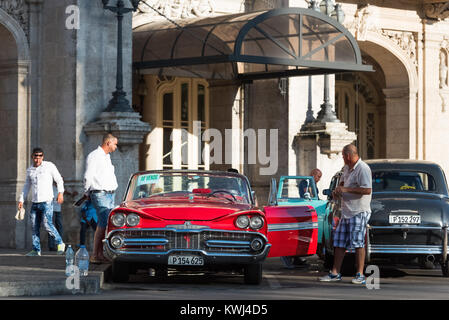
(116, 241)
(256, 222)
(242, 222)
(118, 219)
(132, 220)
(256, 244)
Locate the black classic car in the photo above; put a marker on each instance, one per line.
(409, 213)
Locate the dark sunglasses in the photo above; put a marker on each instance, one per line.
(38, 155)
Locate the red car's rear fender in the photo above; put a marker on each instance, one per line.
(292, 230)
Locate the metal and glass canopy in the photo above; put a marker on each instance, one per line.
(247, 46)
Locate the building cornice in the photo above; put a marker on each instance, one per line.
(436, 9)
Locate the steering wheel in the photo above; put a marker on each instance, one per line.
(223, 191)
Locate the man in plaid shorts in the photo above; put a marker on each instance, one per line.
(355, 192)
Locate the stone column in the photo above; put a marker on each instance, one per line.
(35, 39)
(96, 81)
(130, 131)
(398, 122)
(319, 145)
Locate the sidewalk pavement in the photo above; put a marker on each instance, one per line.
(44, 275)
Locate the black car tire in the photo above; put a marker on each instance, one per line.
(120, 271)
(423, 264)
(253, 273)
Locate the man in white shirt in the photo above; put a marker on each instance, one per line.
(355, 191)
(39, 178)
(100, 184)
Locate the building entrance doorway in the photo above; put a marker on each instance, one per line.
(360, 104)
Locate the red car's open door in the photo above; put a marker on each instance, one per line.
(292, 230)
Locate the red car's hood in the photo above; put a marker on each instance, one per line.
(172, 209)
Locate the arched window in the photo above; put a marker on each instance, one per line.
(183, 115)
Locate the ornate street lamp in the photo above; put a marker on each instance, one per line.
(119, 103)
(327, 114)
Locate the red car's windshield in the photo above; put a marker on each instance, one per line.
(191, 185)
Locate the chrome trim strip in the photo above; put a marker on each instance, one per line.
(212, 244)
(145, 241)
(404, 211)
(444, 258)
(227, 244)
(193, 251)
(405, 226)
(187, 230)
(292, 226)
(406, 249)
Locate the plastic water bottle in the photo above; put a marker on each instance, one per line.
(69, 261)
(82, 260)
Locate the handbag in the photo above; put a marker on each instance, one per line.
(20, 215)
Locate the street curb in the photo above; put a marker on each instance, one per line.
(89, 285)
(23, 276)
(92, 284)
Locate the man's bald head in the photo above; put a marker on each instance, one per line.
(350, 149)
(350, 155)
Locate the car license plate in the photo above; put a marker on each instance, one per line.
(183, 260)
(405, 219)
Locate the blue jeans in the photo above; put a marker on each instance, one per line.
(103, 203)
(42, 211)
(57, 216)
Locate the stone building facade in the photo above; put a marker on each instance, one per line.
(57, 73)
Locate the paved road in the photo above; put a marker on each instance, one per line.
(279, 283)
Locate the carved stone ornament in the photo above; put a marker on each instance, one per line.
(176, 9)
(438, 11)
(405, 40)
(444, 95)
(444, 74)
(18, 10)
(362, 23)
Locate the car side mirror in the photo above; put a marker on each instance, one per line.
(328, 193)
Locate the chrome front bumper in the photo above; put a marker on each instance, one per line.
(372, 249)
(213, 251)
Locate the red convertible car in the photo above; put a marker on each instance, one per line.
(202, 220)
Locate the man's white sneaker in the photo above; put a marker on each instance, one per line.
(331, 277)
(33, 253)
(359, 279)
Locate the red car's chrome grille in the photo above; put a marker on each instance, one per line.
(160, 240)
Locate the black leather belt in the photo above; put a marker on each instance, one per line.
(101, 191)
